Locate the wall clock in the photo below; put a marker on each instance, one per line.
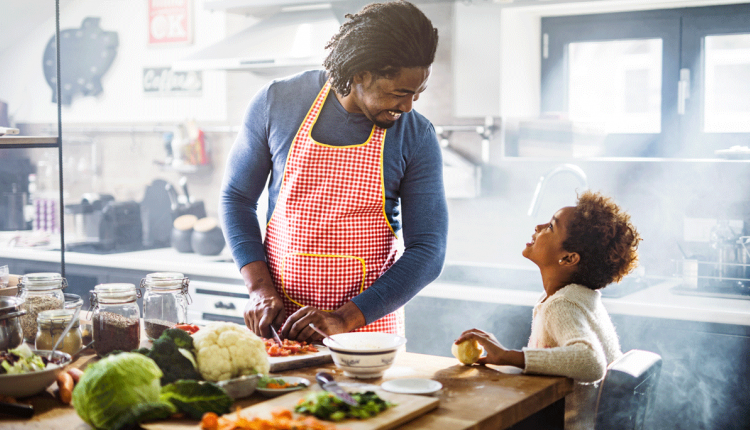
(86, 54)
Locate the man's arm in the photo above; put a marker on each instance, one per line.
(425, 231)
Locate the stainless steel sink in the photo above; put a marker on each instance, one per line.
(524, 278)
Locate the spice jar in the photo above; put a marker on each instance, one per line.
(116, 318)
(39, 292)
(165, 302)
(51, 325)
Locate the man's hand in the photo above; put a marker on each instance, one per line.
(264, 306)
(343, 320)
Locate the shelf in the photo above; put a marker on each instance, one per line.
(28, 142)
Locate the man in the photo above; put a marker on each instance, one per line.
(346, 155)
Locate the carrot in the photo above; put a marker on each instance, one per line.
(65, 385)
(76, 373)
(210, 421)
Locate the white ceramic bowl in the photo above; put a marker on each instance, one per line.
(28, 384)
(364, 355)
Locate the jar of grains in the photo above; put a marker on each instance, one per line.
(39, 292)
(165, 302)
(116, 318)
(51, 325)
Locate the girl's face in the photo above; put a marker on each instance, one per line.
(545, 248)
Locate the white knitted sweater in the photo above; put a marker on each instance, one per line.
(572, 335)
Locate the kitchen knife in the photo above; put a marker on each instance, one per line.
(275, 336)
(326, 382)
(17, 409)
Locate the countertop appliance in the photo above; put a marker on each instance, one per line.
(87, 215)
(121, 226)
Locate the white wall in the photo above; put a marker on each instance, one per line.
(24, 88)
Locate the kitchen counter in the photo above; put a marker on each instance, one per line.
(657, 301)
(485, 397)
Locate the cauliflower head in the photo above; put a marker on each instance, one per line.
(227, 350)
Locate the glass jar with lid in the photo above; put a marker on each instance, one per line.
(51, 324)
(39, 292)
(165, 301)
(115, 318)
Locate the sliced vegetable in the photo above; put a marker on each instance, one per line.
(278, 384)
(327, 406)
(281, 419)
(190, 328)
(22, 360)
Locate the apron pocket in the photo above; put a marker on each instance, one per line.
(325, 282)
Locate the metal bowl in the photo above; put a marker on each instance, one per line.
(241, 387)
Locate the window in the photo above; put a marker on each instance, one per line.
(673, 82)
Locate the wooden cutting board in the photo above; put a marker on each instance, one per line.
(407, 408)
(279, 364)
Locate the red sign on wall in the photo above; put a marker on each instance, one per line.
(169, 21)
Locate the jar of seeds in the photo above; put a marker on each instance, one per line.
(116, 318)
(165, 302)
(39, 292)
(51, 325)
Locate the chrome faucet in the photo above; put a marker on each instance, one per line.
(542, 184)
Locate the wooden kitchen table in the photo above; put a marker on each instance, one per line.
(476, 397)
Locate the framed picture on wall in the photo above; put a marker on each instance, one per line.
(170, 22)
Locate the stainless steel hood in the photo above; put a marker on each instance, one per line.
(285, 39)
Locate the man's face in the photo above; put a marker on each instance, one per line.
(383, 100)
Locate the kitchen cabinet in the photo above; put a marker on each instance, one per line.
(704, 376)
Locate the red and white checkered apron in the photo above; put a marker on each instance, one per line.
(329, 238)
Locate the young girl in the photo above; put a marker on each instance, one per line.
(581, 250)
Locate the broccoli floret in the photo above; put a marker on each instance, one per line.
(173, 363)
(143, 351)
(181, 338)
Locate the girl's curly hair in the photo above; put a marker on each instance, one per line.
(602, 234)
(381, 39)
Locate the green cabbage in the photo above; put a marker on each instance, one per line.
(112, 386)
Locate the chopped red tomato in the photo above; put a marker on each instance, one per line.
(287, 347)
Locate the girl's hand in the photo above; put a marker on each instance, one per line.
(495, 350)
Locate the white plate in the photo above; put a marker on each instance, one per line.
(412, 386)
(273, 392)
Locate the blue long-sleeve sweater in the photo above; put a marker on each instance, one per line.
(412, 174)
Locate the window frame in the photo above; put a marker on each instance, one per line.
(682, 32)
